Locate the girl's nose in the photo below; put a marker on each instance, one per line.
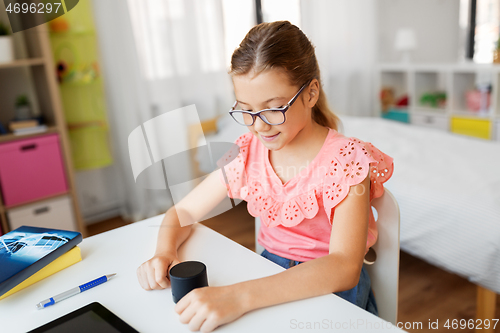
(260, 126)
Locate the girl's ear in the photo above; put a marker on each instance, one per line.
(313, 93)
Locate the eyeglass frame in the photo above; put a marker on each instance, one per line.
(257, 114)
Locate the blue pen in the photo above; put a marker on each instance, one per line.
(73, 292)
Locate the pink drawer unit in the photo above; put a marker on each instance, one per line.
(31, 169)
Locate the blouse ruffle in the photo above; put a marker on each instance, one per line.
(233, 174)
(347, 162)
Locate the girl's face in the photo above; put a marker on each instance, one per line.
(271, 89)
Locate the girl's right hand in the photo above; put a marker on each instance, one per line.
(153, 274)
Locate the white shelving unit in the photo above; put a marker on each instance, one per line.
(415, 80)
(35, 76)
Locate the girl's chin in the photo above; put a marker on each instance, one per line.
(272, 145)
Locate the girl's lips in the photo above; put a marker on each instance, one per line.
(269, 138)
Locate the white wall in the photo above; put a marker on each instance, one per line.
(435, 22)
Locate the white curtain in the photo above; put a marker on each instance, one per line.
(344, 34)
(158, 56)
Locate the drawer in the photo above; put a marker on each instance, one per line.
(55, 213)
(397, 114)
(479, 128)
(31, 169)
(435, 121)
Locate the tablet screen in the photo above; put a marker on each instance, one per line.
(86, 322)
(93, 318)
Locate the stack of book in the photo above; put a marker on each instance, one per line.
(24, 127)
(30, 254)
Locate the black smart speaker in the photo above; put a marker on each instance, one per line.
(187, 276)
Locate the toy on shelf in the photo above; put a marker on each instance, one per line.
(402, 101)
(389, 101)
(479, 99)
(435, 99)
(386, 98)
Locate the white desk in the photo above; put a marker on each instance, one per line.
(122, 250)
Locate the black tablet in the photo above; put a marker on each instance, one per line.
(93, 318)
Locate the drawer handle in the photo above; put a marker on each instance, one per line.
(29, 147)
(42, 210)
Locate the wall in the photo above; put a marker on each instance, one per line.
(436, 25)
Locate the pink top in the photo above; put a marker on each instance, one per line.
(296, 217)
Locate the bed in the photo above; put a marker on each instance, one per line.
(448, 189)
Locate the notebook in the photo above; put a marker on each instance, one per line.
(26, 250)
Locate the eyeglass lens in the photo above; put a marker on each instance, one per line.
(272, 117)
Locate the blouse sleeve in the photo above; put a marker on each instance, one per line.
(349, 166)
(232, 169)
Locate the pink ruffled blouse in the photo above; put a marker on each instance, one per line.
(296, 217)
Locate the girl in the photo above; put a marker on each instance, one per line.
(310, 185)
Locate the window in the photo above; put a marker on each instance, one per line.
(482, 19)
(486, 32)
(240, 16)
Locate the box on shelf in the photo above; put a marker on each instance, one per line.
(435, 121)
(479, 128)
(55, 213)
(397, 114)
(31, 169)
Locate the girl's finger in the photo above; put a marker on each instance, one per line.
(150, 274)
(187, 314)
(174, 262)
(161, 276)
(142, 280)
(209, 325)
(197, 321)
(182, 304)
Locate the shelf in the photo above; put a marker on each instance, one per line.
(12, 137)
(456, 80)
(23, 63)
(41, 84)
(7, 208)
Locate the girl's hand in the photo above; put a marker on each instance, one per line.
(204, 309)
(153, 273)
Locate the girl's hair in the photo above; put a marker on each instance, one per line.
(282, 45)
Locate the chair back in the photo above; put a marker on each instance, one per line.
(258, 248)
(384, 273)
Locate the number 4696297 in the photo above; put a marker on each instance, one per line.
(33, 8)
(471, 324)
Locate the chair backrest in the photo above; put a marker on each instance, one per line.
(384, 273)
(258, 248)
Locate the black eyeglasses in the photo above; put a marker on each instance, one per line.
(273, 116)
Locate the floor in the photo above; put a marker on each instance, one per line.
(426, 293)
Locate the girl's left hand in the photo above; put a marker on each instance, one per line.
(204, 309)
